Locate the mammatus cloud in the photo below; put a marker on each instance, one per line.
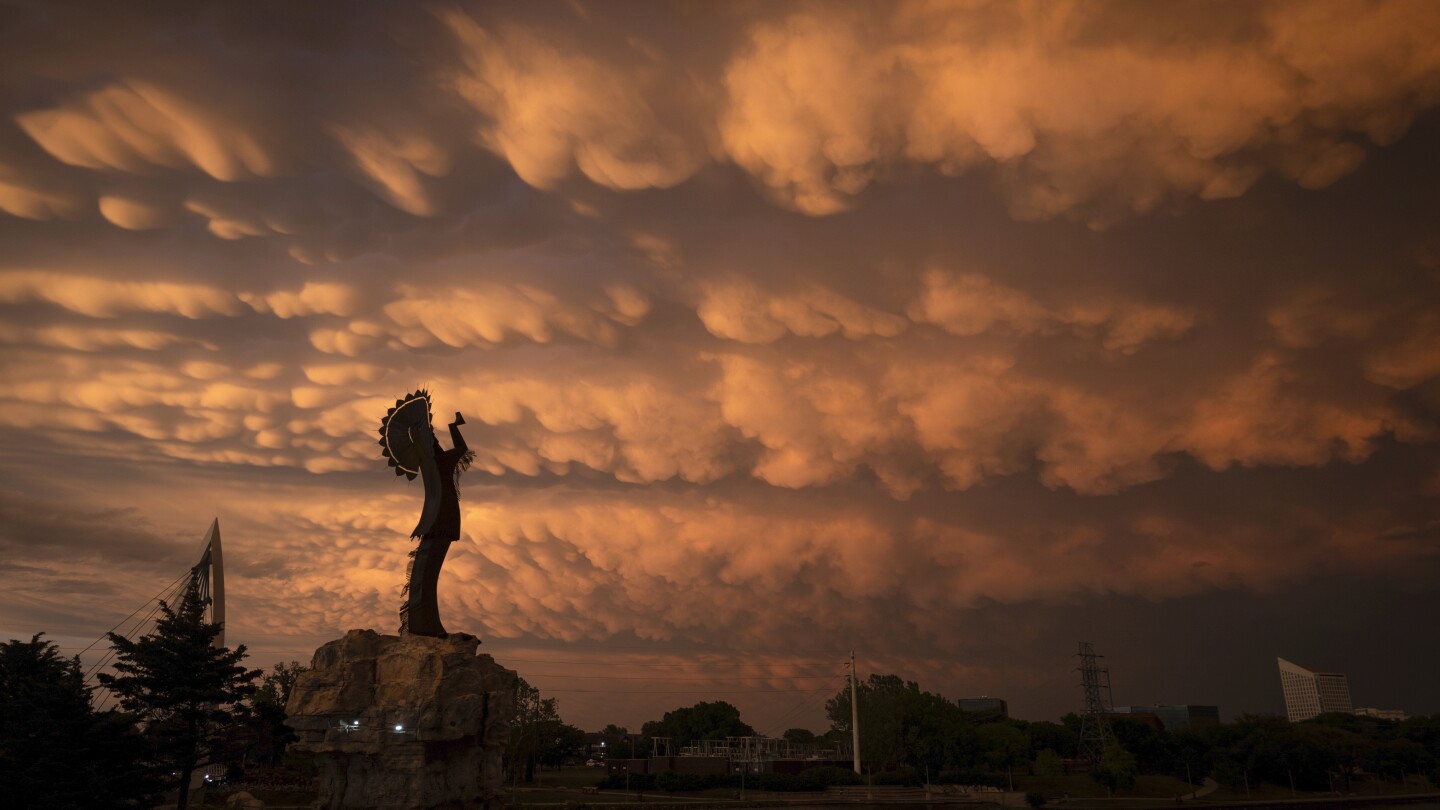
(488, 313)
(313, 298)
(22, 199)
(739, 310)
(766, 322)
(133, 214)
(818, 105)
(397, 165)
(1088, 108)
(906, 408)
(105, 298)
(136, 126)
(552, 108)
(1071, 115)
(969, 304)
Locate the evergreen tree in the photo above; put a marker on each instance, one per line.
(189, 694)
(55, 751)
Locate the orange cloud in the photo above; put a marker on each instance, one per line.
(551, 109)
(820, 105)
(136, 126)
(104, 298)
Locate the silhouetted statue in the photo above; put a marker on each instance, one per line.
(407, 437)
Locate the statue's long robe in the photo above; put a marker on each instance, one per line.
(422, 607)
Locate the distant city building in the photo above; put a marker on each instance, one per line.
(1309, 693)
(985, 704)
(1182, 717)
(1137, 714)
(734, 755)
(1383, 714)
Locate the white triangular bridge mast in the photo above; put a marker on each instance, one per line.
(209, 574)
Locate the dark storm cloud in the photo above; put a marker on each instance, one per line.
(35, 528)
(769, 321)
(1424, 531)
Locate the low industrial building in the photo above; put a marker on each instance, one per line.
(732, 755)
(1174, 718)
(985, 704)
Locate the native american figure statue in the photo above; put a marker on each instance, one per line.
(408, 442)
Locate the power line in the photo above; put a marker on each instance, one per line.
(795, 712)
(683, 691)
(163, 591)
(604, 648)
(134, 628)
(166, 597)
(714, 679)
(175, 590)
(643, 665)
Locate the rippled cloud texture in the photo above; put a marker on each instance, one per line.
(951, 331)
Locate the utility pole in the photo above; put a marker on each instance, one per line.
(854, 715)
(1095, 734)
(628, 763)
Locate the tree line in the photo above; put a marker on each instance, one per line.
(184, 705)
(907, 731)
(909, 735)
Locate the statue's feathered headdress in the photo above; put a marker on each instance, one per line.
(407, 441)
(407, 434)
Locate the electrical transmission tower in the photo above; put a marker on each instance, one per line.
(1095, 721)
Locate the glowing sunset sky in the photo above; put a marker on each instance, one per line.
(953, 332)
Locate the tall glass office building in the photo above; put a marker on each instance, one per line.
(1309, 693)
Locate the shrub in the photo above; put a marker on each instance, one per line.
(907, 777)
(1035, 798)
(970, 777)
(1048, 764)
(821, 778)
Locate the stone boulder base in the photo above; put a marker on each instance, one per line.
(404, 721)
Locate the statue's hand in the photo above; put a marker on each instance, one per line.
(459, 420)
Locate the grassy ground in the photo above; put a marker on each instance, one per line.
(575, 776)
(558, 788)
(1359, 786)
(1081, 786)
(568, 785)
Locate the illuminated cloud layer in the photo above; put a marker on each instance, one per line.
(845, 322)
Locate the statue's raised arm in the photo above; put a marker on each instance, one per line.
(407, 436)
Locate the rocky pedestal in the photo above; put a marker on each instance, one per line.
(404, 721)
